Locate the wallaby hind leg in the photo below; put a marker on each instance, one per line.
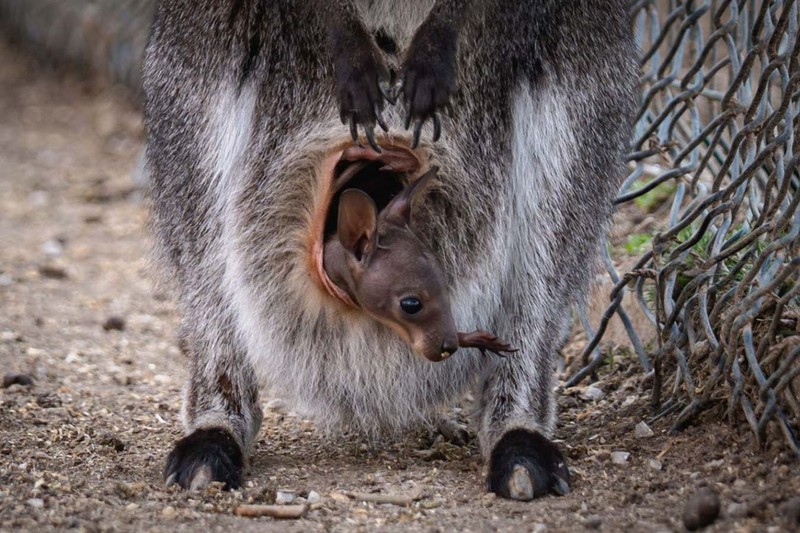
(221, 413)
(518, 412)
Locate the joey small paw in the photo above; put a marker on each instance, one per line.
(204, 456)
(525, 465)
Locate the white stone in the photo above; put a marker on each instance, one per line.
(643, 431)
(36, 503)
(591, 393)
(313, 497)
(52, 248)
(283, 497)
(620, 458)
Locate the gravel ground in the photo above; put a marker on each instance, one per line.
(83, 446)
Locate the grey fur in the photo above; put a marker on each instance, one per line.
(241, 109)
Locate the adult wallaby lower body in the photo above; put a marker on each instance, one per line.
(244, 140)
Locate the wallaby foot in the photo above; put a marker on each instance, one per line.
(204, 456)
(525, 465)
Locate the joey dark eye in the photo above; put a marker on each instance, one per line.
(412, 306)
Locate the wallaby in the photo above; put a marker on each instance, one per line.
(384, 269)
(244, 104)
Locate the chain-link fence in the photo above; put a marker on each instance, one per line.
(716, 138)
(718, 125)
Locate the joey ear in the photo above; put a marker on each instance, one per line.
(400, 206)
(358, 220)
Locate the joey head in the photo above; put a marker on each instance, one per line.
(392, 276)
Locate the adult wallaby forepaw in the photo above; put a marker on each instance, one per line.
(362, 84)
(525, 465)
(204, 456)
(428, 78)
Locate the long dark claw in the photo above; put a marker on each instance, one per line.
(437, 127)
(417, 133)
(379, 118)
(408, 119)
(353, 127)
(371, 138)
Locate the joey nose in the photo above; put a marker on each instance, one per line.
(449, 347)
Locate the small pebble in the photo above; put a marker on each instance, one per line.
(538, 527)
(111, 440)
(13, 378)
(643, 431)
(591, 393)
(736, 510)
(6, 280)
(52, 248)
(116, 323)
(714, 465)
(620, 458)
(52, 272)
(701, 509)
(283, 498)
(48, 399)
(431, 504)
(168, 512)
(54, 414)
(36, 503)
(592, 522)
(313, 497)
(655, 464)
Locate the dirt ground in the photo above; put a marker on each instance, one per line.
(83, 447)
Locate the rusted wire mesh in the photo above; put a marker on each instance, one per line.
(720, 282)
(717, 125)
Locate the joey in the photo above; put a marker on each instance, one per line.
(389, 273)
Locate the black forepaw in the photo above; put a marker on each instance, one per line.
(525, 465)
(428, 78)
(362, 83)
(204, 456)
